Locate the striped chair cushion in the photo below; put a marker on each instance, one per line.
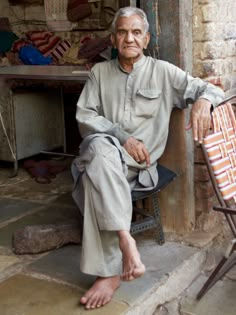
(221, 150)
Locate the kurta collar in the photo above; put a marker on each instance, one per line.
(136, 65)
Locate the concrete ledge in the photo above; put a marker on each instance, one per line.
(170, 286)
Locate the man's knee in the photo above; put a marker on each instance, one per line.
(101, 146)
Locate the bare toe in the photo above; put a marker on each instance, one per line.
(132, 264)
(83, 300)
(127, 276)
(101, 292)
(94, 303)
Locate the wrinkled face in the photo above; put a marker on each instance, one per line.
(130, 38)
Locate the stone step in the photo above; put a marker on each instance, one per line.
(183, 268)
(171, 268)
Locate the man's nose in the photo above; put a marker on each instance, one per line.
(129, 37)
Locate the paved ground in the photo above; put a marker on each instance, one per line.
(51, 283)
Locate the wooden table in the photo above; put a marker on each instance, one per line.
(61, 73)
(34, 120)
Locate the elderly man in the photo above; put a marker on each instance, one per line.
(123, 115)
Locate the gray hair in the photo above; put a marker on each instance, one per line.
(127, 12)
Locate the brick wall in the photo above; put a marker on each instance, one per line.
(214, 41)
(214, 59)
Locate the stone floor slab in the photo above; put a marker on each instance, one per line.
(11, 208)
(30, 296)
(65, 199)
(219, 300)
(51, 215)
(232, 274)
(63, 264)
(200, 239)
(24, 185)
(7, 261)
(159, 260)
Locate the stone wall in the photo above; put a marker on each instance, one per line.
(214, 59)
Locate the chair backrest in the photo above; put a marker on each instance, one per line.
(219, 150)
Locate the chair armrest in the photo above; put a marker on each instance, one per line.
(225, 209)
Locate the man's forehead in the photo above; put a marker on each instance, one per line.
(133, 21)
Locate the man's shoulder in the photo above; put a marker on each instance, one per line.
(161, 66)
(103, 66)
(158, 62)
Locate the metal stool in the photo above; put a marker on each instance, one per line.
(150, 221)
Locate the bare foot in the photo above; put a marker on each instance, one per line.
(101, 292)
(132, 264)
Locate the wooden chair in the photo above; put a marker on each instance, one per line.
(151, 218)
(219, 149)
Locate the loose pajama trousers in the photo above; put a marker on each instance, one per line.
(103, 195)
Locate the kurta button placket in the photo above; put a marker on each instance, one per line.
(128, 98)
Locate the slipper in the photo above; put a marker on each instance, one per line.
(55, 169)
(39, 171)
(42, 180)
(43, 170)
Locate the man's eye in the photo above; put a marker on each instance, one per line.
(121, 32)
(137, 33)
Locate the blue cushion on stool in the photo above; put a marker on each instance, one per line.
(165, 177)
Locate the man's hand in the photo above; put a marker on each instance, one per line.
(137, 150)
(200, 119)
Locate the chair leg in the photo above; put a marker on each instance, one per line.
(216, 274)
(157, 215)
(230, 264)
(210, 280)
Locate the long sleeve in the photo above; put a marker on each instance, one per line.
(90, 116)
(188, 89)
(198, 89)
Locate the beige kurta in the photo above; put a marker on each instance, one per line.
(139, 103)
(120, 104)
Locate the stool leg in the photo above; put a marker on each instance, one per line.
(157, 215)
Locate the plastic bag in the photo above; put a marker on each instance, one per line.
(30, 55)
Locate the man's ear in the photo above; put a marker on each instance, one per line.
(147, 40)
(112, 37)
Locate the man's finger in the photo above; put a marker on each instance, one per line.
(195, 129)
(147, 156)
(188, 126)
(200, 132)
(137, 150)
(135, 156)
(204, 127)
(141, 156)
(201, 119)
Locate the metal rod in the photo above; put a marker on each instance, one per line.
(57, 153)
